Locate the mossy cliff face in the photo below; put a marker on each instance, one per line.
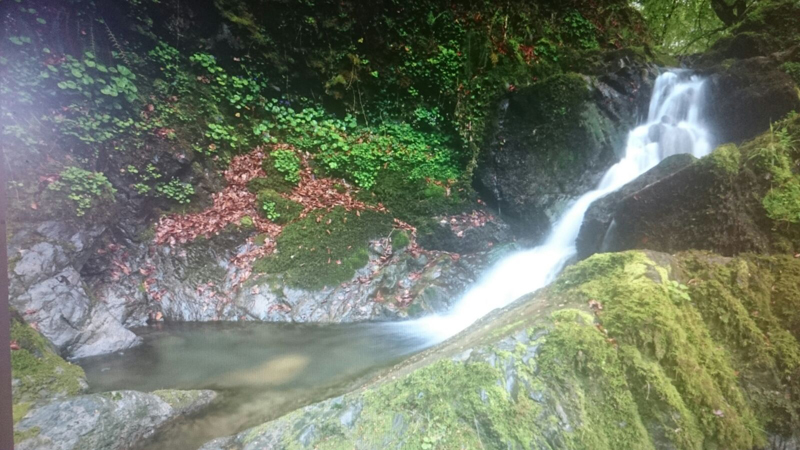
(624, 351)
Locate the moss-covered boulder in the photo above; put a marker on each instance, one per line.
(624, 351)
(38, 372)
(737, 199)
(276, 208)
(552, 141)
(326, 248)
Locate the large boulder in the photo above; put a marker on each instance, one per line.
(598, 220)
(737, 199)
(552, 141)
(107, 421)
(623, 351)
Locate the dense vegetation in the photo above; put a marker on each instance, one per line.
(113, 102)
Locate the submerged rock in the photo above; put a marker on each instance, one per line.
(624, 351)
(107, 421)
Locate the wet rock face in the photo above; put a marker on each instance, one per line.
(468, 233)
(83, 291)
(716, 203)
(748, 95)
(687, 209)
(107, 421)
(198, 283)
(596, 234)
(48, 290)
(552, 142)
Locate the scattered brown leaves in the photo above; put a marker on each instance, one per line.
(230, 206)
(321, 193)
(464, 221)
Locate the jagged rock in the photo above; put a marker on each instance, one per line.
(46, 287)
(621, 351)
(552, 141)
(107, 421)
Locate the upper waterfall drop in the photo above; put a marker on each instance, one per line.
(674, 125)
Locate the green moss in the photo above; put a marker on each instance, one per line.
(277, 208)
(414, 201)
(325, 249)
(40, 372)
(725, 160)
(739, 305)
(693, 352)
(642, 309)
(261, 239)
(20, 410)
(30, 433)
(400, 240)
(275, 183)
(247, 223)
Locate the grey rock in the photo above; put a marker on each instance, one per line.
(108, 421)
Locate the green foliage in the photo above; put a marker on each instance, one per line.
(176, 190)
(581, 30)
(776, 158)
(276, 208)
(793, 69)
(82, 190)
(287, 163)
(324, 249)
(683, 26)
(342, 148)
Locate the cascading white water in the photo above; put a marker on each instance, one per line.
(673, 126)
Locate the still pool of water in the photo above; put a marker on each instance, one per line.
(261, 370)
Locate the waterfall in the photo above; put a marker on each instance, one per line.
(674, 125)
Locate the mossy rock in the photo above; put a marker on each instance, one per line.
(551, 142)
(416, 201)
(634, 350)
(273, 180)
(273, 183)
(325, 249)
(37, 370)
(276, 208)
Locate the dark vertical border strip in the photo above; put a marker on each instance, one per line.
(6, 414)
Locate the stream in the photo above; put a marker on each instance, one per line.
(261, 370)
